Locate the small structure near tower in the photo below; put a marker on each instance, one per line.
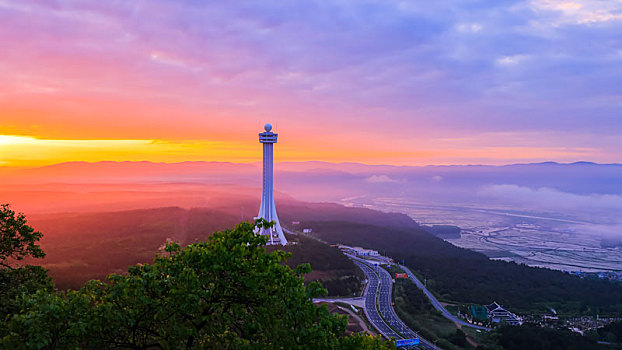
(268, 209)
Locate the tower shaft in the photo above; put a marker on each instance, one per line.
(267, 210)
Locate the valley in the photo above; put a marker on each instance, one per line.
(539, 239)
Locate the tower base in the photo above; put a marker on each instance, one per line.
(275, 234)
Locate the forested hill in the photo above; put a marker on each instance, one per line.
(82, 246)
(462, 275)
(290, 210)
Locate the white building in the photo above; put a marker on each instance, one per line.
(364, 252)
(357, 250)
(498, 314)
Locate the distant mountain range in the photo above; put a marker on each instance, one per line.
(575, 186)
(578, 177)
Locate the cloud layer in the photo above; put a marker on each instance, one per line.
(416, 82)
(552, 199)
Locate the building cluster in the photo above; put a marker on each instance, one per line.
(610, 275)
(498, 314)
(550, 318)
(358, 251)
(586, 323)
(493, 313)
(607, 275)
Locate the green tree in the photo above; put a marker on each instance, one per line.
(18, 241)
(611, 333)
(226, 293)
(458, 338)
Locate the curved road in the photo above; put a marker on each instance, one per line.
(437, 305)
(371, 294)
(378, 294)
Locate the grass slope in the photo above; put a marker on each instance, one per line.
(335, 271)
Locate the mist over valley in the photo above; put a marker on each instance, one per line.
(560, 216)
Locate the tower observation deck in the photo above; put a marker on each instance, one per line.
(268, 209)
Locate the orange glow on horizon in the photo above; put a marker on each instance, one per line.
(29, 151)
(172, 82)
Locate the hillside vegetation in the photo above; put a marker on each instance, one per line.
(91, 245)
(85, 246)
(338, 274)
(88, 246)
(223, 293)
(534, 337)
(457, 274)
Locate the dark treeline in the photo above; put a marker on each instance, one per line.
(534, 337)
(414, 308)
(443, 231)
(463, 275)
(611, 333)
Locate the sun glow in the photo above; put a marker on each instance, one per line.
(27, 151)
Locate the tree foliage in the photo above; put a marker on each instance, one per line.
(17, 239)
(337, 273)
(531, 336)
(611, 333)
(16, 282)
(226, 293)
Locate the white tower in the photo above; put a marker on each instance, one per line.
(268, 209)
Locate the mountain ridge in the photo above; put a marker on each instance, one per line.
(317, 164)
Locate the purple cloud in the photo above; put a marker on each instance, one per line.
(394, 67)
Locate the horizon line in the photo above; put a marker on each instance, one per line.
(551, 162)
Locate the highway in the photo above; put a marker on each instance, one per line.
(378, 297)
(379, 277)
(386, 305)
(371, 312)
(437, 305)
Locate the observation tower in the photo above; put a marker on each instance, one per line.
(268, 209)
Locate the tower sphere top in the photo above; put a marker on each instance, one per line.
(267, 127)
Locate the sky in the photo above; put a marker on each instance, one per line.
(377, 82)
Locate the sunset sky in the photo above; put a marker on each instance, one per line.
(393, 82)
